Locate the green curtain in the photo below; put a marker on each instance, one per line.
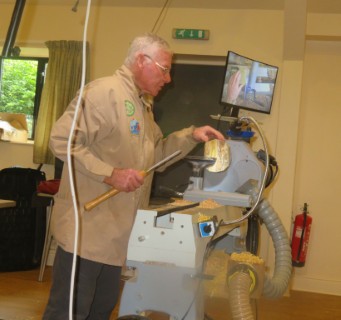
(63, 80)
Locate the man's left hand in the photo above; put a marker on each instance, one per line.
(206, 133)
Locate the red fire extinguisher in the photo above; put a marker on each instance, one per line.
(300, 237)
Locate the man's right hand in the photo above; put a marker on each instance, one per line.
(126, 180)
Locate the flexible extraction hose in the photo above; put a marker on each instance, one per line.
(275, 287)
(239, 295)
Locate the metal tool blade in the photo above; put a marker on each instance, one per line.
(162, 212)
(163, 161)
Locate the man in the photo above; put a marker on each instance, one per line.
(115, 138)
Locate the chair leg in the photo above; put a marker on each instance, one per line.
(47, 243)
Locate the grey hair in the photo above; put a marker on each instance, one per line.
(146, 44)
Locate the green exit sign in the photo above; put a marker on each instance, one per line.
(194, 34)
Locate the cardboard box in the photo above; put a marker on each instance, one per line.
(13, 127)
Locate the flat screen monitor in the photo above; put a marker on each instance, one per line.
(248, 84)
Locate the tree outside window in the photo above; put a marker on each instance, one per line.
(21, 83)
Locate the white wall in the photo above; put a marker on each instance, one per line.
(318, 173)
(21, 155)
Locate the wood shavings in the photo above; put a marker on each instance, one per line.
(246, 257)
(209, 204)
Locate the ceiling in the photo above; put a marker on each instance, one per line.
(313, 6)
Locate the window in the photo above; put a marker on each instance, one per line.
(21, 84)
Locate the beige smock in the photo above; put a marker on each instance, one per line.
(114, 129)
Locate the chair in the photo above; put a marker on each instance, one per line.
(47, 199)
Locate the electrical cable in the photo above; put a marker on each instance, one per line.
(75, 7)
(272, 165)
(223, 113)
(252, 236)
(159, 16)
(69, 145)
(207, 317)
(252, 209)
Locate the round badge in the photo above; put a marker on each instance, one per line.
(130, 108)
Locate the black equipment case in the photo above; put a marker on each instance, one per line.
(22, 228)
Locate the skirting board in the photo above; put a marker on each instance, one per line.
(301, 283)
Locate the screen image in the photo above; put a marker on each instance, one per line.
(248, 84)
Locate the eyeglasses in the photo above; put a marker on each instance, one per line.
(164, 69)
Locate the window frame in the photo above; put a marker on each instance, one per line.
(40, 80)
